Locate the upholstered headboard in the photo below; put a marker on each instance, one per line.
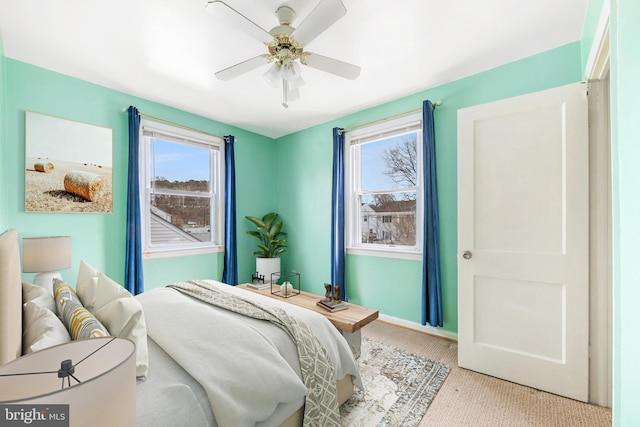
(10, 297)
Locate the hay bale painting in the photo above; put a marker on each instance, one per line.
(69, 166)
(44, 167)
(87, 185)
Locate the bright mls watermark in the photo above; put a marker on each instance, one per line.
(34, 415)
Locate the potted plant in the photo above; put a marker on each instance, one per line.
(271, 243)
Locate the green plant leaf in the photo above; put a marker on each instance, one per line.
(275, 228)
(269, 232)
(269, 218)
(257, 221)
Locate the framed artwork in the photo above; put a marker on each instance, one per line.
(68, 165)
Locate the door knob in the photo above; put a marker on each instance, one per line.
(466, 255)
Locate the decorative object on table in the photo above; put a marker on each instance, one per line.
(81, 383)
(68, 165)
(327, 294)
(285, 284)
(257, 282)
(286, 288)
(46, 256)
(331, 301)
(271, 243)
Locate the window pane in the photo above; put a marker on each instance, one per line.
(180, 167)
(389, 163)
(388, 218)
(179, 219)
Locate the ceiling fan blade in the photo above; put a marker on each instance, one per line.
(242, 67)
(333, 66)
(324, 15)
(236, 19)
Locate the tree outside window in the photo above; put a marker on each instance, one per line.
(386, 184)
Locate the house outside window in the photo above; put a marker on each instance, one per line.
(181, 175)
(384, 189)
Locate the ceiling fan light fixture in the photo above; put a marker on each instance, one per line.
(287, 71)
(273, 75)
(296, 83)
(290, 70)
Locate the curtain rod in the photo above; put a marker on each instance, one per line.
(384, 119)
(158, 119)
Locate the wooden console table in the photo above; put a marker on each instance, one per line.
(348, 322)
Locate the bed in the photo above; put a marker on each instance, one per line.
(198, 364)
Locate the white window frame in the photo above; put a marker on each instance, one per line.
(216, 146)
(353, 175)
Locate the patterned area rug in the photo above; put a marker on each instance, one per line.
(399, 387)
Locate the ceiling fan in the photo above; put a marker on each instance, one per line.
(285, 45)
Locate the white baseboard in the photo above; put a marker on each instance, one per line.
(418, 327)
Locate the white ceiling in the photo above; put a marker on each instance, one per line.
(168, 50)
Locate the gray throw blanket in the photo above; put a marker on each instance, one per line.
(321, 404)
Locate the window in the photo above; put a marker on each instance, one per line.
(384, 188)
(181, 177)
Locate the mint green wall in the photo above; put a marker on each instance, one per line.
(304, 178)
(3, 127)
(594, 9)
(99, 238)
(625, 112)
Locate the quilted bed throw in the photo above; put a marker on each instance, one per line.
(321, 404)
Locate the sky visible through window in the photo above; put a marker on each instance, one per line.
(374, 165)
(181, 163)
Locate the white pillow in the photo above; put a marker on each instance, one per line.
(38, 295)
(42, 328)
(122, 314)
(87, 285)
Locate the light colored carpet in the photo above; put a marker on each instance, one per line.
(398, 387)
(468, 398)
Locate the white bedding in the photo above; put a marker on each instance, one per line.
(249, 368)
(169, 396)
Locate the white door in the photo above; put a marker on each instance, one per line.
(523, 240)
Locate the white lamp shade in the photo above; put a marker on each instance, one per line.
(290, 71)
(106, 395)
(272, 75)
(44, 254)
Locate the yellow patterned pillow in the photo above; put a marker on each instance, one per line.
(61, 292)
(80, 323)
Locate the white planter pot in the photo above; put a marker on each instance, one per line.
(266, 266)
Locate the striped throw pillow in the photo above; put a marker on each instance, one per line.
(80, 323)
(61, 292)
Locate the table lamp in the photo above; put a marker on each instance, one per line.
(82, 383)
(46, 255)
